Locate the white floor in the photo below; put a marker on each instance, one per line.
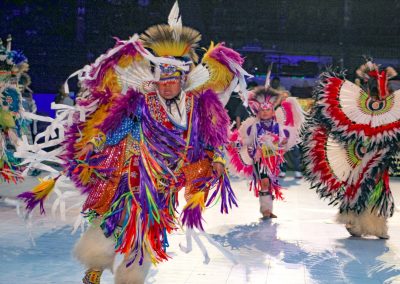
(303, 245)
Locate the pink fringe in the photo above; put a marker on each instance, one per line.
(220, 51)
(237, 162)
(289, 118)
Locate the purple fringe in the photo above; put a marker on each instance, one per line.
(228, 198)
(73, 133)
(192, 218)
(31, 202)
(104, 97)
(210, 108)
(196, 150)
(161, 139)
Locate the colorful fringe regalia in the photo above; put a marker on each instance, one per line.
(11, 112)
(257, 147)
(142, 155)
(349, 139)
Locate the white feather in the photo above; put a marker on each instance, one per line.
(298, 113)
(298, 119)
(197, 77)
(349, 98)
(337, 157)
(268, 77)
(224, 97)
(175, 21)
(390, 116)
(248, 138)
(240, 74)
(135, 76)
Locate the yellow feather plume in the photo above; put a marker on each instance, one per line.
(44, 188)
(220, 75)
(160, 39)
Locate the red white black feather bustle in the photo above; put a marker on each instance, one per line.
(349, 139)
(351, 113)
(348, 174)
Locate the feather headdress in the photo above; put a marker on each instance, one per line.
(172, 39)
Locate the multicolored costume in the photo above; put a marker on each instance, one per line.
(349, 140)
(147, 148)
(257, 148)
(12, 123)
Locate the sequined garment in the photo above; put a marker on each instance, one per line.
(150, 159)
(142, 156)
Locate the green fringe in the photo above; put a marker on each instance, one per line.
(376, 193)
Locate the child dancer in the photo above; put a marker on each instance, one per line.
(258, 146)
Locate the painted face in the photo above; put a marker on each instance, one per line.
(266, 111)
(169, 89)
(265, 114)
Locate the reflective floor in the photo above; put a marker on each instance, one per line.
(303, 245)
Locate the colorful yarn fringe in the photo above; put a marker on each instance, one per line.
(38, 195)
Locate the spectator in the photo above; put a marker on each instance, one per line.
(63, 98)
(236, 111)
(276, 84)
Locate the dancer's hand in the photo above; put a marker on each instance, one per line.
(88, 148)
(219, 169)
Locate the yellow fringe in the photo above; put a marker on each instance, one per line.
(111, 82)
(196, 200)
(125, 61)
(44, 188)
(85, 174)
(220, 75)
(90, 129)
(171, 48)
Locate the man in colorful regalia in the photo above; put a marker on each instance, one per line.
(155, 123)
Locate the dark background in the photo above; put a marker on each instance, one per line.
(60, 37)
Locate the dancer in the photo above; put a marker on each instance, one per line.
(155, 123)
(350, 137)
(12, 122)
(258, 146)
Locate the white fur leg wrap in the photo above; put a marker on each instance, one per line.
(266, 203)
(94, 250)
(366, 223)
(133, 274)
